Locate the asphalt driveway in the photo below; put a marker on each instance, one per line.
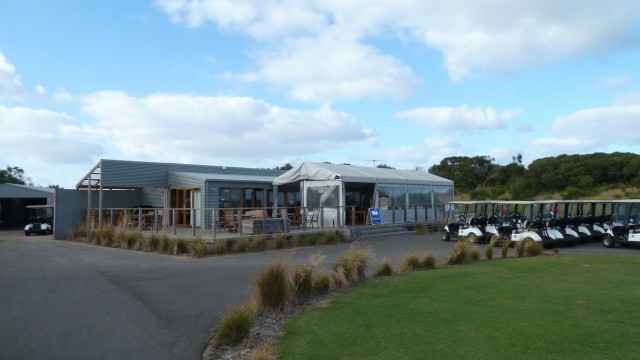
(68, 300)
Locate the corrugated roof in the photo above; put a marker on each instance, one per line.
(358, 174)
(226, 177)
(24, 191)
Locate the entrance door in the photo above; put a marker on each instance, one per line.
(181, 201)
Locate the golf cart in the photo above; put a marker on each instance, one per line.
(544, 224)
(40, 220)
(624, 228)
(467, 220)
(507, 218)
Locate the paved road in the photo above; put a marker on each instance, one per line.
(67, 300)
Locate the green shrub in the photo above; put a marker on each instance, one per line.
(234, 327)
(421, 229)
(384, 268)
(458, 254)
(429, 261)
(198, 248)
(273, 289)
(321, 283)
(180, 246)
(488, 253)
(505, 248)
(219, 247)
(411, 262)
(533, 248)
(258, 243)
(242, 245)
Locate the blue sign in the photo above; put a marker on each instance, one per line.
(374, 215)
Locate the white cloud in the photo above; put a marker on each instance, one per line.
(462, 118)
(40, 90)
(601, 126)
(203, 129)
(40, 136)
(475, 38)
(10, 83)
(61, 95)
(612, 82)
(327, 69)
(630, 98)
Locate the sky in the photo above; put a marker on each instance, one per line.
(263, 83)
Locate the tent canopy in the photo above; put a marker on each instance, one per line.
(357, 174)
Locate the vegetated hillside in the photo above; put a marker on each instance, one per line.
(597, 175)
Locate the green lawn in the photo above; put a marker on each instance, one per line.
(552, 307)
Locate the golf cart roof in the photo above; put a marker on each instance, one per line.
(39, 206)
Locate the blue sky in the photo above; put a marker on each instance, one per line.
(263, 83)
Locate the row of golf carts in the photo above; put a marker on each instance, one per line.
(553, 223)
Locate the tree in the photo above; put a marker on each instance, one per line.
(384, 166)
(14, 175)
(286, 166)
(468, 173)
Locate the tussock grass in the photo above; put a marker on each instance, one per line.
(219, 247)
(302, 276)
(429, 261)
(330, 238)
(505, 248)
(132, 240)
(273, 288)
(339, 280)
(533, 249)
(321, 282)
(258, 243)
(152, 242)
(180, 246)
(384, 268)
(166, 245)
(235, 326)
(353, 262)
(279, 241)
(421, 229)
(474, 253)
(107, 235)
(264, 352)
(488, 252)
(198, 248)
(242, 245)
(411, 262)
(520, 246)
(458, 254)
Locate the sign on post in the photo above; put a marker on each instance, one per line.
(374, 215)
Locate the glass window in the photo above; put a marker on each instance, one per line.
(420, 195)
(392, 195)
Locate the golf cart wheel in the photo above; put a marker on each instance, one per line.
(608, 241)
(446, 236)
(472, 238)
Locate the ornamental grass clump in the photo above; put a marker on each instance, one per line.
(235, 326)
(321, 282)
(353, 263)
(302, 276)
(384, 268)
(330, 238)
(219, 247)
(198, 248)
(421, 229)
(132, 240)
(458, 254)
(152, 242)
(166, 245)
(279, 241)
(520, 246)
(273, 288)
(429, 261)
(107, 235)
(505, 248)
(533, 249)
(411, 262)
(180, 246)
(242, 245)
(488, 252)
(258, 243)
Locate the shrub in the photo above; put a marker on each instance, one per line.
(421, 229)
(533, 249)
(321, 283)
(120, 238)
(429, 261)
(556, 250)
(234, 327)
(153, 242)
(384, 268)
(166, 245)
(458, 254)
(411, 262)
(273, 289)
(94, 236)
(180, 246)
(219, 247)
(107, 235)
(505, 248)
(488, 253)
(198, 248)
(132, 240)
(258, 243)
(242, 245)
(279, 241)
(80, 232)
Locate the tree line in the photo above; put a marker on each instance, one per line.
(573, 176)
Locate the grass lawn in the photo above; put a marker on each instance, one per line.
(551, 307)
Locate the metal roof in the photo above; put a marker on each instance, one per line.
(224, 177)
(25, 191)
(358, 174)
